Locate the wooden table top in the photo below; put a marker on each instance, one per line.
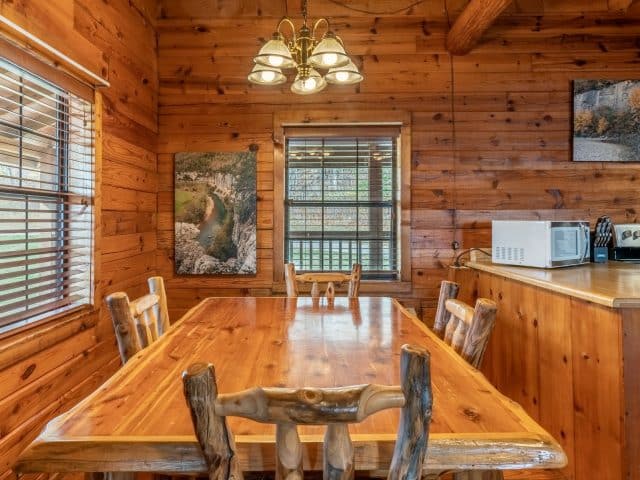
(138, 420)
(612, 284)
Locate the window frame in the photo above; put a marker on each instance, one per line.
(357, 135)
(328, 120)
(56, 74)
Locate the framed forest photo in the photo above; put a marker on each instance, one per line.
(606, 120)
(215, 213)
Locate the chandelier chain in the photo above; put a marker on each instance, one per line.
(304, 11)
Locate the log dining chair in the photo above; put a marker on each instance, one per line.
(467, 329)
(140, 322)
(333, 407)
(315, 278)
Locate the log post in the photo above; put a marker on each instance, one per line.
(338, 453)
(447, 290)
(288, 452)
(213, 435)
(123, 325)
(415, 416)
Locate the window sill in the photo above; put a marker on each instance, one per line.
(23, 342)
(375, 288)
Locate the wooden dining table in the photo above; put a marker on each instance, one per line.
(138, 420)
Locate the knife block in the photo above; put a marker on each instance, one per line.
(600, 254)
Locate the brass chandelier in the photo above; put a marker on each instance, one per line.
(306, 54)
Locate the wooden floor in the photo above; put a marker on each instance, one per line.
(527, 475)
(536, 475)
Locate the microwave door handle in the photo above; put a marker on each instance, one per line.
(585, 232)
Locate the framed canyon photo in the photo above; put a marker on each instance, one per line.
(215, 213)
(606, 120)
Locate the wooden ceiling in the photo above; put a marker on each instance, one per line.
(433, 10)
(465, 21)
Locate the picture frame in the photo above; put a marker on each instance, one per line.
(215, 213)
(606, 120)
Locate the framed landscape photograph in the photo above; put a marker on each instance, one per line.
(215, 213)
(606, 120)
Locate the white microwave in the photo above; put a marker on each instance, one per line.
(544, 244)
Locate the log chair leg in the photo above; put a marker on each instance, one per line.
(338, 453)
(288, 452)
(432, 475)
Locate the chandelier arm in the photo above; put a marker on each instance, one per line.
(288, 21)
(317, 24)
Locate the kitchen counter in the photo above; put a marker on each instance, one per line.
(612, 284)
(566, 346)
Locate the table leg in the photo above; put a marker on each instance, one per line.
(110, 476)
(431, 476)
(479, 475)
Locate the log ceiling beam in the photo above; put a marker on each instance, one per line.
(474, 20)
(619, 5)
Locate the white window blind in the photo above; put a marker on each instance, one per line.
(46, 197)
(340, 205)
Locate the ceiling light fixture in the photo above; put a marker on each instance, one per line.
(307, 55)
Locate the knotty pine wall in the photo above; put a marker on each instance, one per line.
(491, 130)
(44, 371)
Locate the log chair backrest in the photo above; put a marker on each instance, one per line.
(468, 329)
(330, 278)
(156, 287)
(333, 407)
(447, 290)
(135, 322)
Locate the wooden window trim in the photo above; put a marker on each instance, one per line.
(88, 93)
(22, 40)
(327, 118)
(48, 72)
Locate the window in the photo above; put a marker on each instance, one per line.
(46, 197)
(341, 200)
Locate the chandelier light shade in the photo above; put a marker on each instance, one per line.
(275, 53)
(307, 55)
(329, 53)
(345, 75)
(265, 75)
(309, 82)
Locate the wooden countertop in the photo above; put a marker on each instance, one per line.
(612, 284)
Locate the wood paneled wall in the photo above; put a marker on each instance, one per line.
(45, 370)
(491, 130)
